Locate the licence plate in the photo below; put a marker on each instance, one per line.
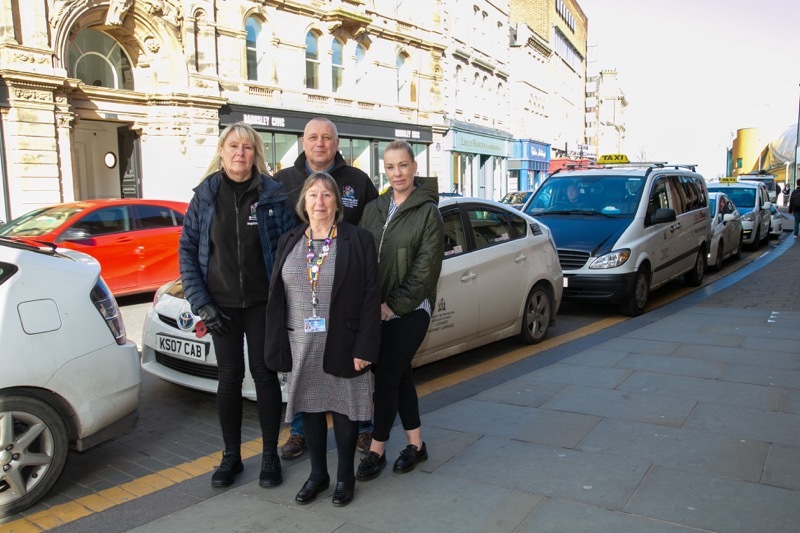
(195, 351)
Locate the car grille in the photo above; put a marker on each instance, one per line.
(188, 367)
(571, 259)
(168, 320)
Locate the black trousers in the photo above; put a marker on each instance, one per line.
(246, 325)
(315, 426)
(395, 392)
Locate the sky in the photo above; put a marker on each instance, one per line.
(696, 71)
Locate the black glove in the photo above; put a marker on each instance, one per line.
(214, 318)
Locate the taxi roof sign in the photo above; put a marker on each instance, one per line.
(728, 179)
(607, 159)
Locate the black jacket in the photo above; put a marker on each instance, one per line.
(354, 323)
(355, 186)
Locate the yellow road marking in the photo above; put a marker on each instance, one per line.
(93, 503)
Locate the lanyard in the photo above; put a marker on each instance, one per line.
(315, 263)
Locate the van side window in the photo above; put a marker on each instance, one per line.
(659, 198)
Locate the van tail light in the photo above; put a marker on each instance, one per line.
(107, 306)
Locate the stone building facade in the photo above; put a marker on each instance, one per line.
(112, 98)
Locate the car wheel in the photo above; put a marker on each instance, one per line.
(33, 451)
(537, 315)
(738, 253)
(718, 260)
(694, 277)
(635, 304)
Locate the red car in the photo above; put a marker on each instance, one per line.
(134, 240)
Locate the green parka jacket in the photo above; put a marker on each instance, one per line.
(410, 247)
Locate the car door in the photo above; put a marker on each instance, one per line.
(731, 230)
(659, 239)
(157, 230)
(455, 312)
(502, 264)
(105, 234)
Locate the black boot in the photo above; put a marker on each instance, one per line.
(270, 475)
(230, 466)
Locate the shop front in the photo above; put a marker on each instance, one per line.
(361, 141)
(529, 164)
(478, 161)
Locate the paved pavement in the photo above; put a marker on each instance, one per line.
(684, 419)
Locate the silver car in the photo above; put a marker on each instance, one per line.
(726, 230)
(500, 278)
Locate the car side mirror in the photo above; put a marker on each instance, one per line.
(767, 205)
(664, 215)
(74, 234)
(728, 217)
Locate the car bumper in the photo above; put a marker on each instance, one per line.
(608, 288)
(115, 395)
(197, 375)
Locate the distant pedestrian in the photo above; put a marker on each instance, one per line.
(794, 208)
(226, 251)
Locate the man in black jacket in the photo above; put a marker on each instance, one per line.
(794, 208)
(321, 154)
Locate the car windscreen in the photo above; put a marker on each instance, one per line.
(712, 205)
(744, 198)
(608, 195)
(39, 221)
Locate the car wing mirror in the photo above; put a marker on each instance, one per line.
(727, 217)
(75, 234)
(664, 215)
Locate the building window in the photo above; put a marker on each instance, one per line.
(97, 59)
(312, 61)
(337, 65)
(361, 66)
(253, 27)
(403, 85)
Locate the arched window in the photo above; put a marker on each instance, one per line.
(253, 27)
(361, 70)
(337, 65)
(97, 59)
(403, 85)
(312, 61)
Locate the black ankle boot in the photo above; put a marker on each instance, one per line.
(270, 475)
(230, 466)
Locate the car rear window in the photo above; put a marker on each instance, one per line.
(156, 216)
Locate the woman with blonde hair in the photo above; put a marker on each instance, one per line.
(226, 251)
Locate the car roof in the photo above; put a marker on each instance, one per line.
(102, 202)
(734, 184)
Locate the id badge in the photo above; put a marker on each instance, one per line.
(314, 324)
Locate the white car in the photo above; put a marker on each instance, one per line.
(500, 278)
(777, 221)
(70, 377)
(726, 230)
(752, 201)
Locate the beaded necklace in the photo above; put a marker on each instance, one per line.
(314, 263)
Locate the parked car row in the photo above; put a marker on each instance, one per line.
(500, 278)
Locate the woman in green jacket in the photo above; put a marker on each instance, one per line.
(409, 236)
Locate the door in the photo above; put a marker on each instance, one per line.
(157, 230)
(129, 163)
(660, 238)
(455, 312)
(502, 264)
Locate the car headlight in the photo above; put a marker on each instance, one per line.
(612, 259)
(751, 216)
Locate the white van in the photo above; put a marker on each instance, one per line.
(623, 230)
(751, 199)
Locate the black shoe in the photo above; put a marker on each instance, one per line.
(343, 494)
(409, 458)
(270, 475)
(310, 490)
(370, 466)
(230, 466)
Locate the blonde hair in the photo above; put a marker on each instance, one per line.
(400, 145)
(329, 183)
(243, 131)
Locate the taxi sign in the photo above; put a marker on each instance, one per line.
(728, 179)
(607, 159)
